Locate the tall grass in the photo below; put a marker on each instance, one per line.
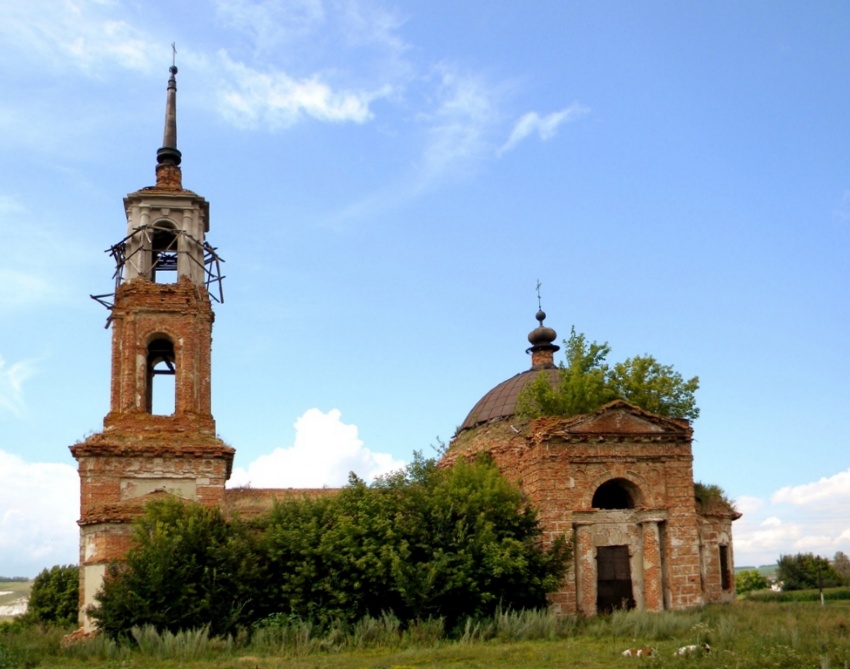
(183, 645)
(525, 625)
(742, 635)
(648, 626)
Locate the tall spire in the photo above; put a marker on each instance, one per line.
(168, 157)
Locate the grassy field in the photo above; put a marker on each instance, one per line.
(11, 592)
(742, 635)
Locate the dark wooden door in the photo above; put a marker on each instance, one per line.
(614, 579)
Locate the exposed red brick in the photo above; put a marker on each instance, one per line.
(560, 463)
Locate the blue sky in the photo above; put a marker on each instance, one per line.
(388, 181)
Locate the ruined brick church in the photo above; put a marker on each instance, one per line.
(618, 482)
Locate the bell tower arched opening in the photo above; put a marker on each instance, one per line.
(161, 377)
(164, 249)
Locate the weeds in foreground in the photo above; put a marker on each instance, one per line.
(742, 635)
(184, 645)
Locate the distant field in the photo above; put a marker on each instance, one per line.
(12, 594)
(766, 570)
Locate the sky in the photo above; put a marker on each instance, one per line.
(388, 181)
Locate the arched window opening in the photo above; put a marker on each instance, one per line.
(161, 378)
(163, 253)
(613, 494)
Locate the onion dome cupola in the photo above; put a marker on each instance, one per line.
(542, 349)
(500, 402)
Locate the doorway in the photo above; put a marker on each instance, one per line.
(613, 579)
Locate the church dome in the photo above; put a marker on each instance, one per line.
(500, 402)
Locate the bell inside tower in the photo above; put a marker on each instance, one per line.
(164, 251)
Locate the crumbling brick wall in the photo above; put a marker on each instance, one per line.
(560, 464)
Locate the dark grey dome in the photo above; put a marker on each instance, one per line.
(500, 402)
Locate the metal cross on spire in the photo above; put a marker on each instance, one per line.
(173, 54)
(538, 294)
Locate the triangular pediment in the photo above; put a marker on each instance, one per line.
(621, 418)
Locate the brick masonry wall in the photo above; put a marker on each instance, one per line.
(560, 463)
(179, 311)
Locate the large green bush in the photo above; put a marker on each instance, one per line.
(55, 596)
(188, 568)
(423, 543)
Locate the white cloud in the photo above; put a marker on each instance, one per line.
(810, 517)
(12, 379)
(83, 35)
(834, 490)
(39, 506)
(251, 98)
(545, 126)
(747, 505)
(762, 543)
(324, 452)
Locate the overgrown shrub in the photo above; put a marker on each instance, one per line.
(55, 595)
(187, 569)
(585, 382)
(423, 543)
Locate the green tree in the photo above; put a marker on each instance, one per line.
(749, 580)
(188, 568)
(581, 384)
(805, 571)
(55, 596)
(841, 564)
(471, 542)
(585, 382)
(426, 541)
(657, 388)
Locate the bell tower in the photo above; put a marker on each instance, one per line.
(159, 436)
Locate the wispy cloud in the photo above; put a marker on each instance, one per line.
(315, 26)
(20, 288)
(459, 126)
(546, 127)
(85, 35)
(271, 23)
(457, 123)
(324, 452)
(12, 378)
(274, 99)
(30, 279)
